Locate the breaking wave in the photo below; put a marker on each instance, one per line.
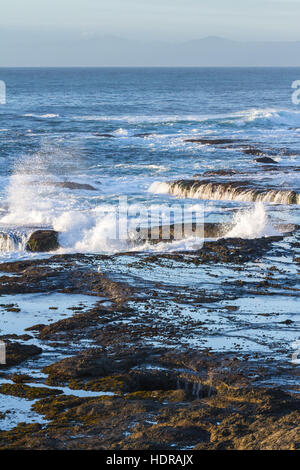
(253, 223)
(237, 191)
(42, 116)
(269, 116)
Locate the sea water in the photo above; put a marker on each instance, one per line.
(123, 132)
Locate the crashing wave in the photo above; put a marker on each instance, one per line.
(230, 191)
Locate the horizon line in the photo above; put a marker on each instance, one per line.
(149, 66)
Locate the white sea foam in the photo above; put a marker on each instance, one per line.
(141, 166)
(271, 115)
(159, 187)
(252, 223)
(42, 116)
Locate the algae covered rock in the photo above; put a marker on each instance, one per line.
(25, 391)
(265, 160)
(43, 241)
(16, 353)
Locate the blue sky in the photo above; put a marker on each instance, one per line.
(170, 20)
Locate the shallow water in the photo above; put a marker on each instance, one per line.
(17, 410)
(39, 309)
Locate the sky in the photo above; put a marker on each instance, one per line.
(168, 20)
(139, 32)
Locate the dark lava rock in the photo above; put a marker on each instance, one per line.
(144, 135)
(218, 173)
(43, 241)
(72, 185)
(20, 378)
(229, 250)
(265, 160)
(253, 151)
(25, 391)
(168, 233)
(90, 363)
(17, 353)
(108, 136)
(211, 141)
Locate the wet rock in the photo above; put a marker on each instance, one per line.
(43, 241)
(212, 141)
(72, 185)
(90, 363)
(236, 417)
(143, 135)
(253, 151)
(229, 250)
(16, 353)
(20, 378)
(166, 397)
(219, 173)
(71, 274)
(25, 391)
(162, 396)
(137, 384)
(169, 233)
(15, 337)
(164, 436)
(265, 160)
(69, 326)
(108, 136)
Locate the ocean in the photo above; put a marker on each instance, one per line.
(125, 132)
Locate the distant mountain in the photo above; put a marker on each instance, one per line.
(61, 49)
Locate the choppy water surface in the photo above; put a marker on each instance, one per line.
(124, 132)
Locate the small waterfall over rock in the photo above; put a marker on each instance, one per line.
(11, 240)
(231, 191)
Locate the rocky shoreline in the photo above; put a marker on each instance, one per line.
(133, 371)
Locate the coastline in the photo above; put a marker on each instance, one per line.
(140, 368)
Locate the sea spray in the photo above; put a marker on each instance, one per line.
(252, 223)
(30, 199)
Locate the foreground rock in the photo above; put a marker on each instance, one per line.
(143, 377)
(211, 405)
(16, 353)
(43, 241)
